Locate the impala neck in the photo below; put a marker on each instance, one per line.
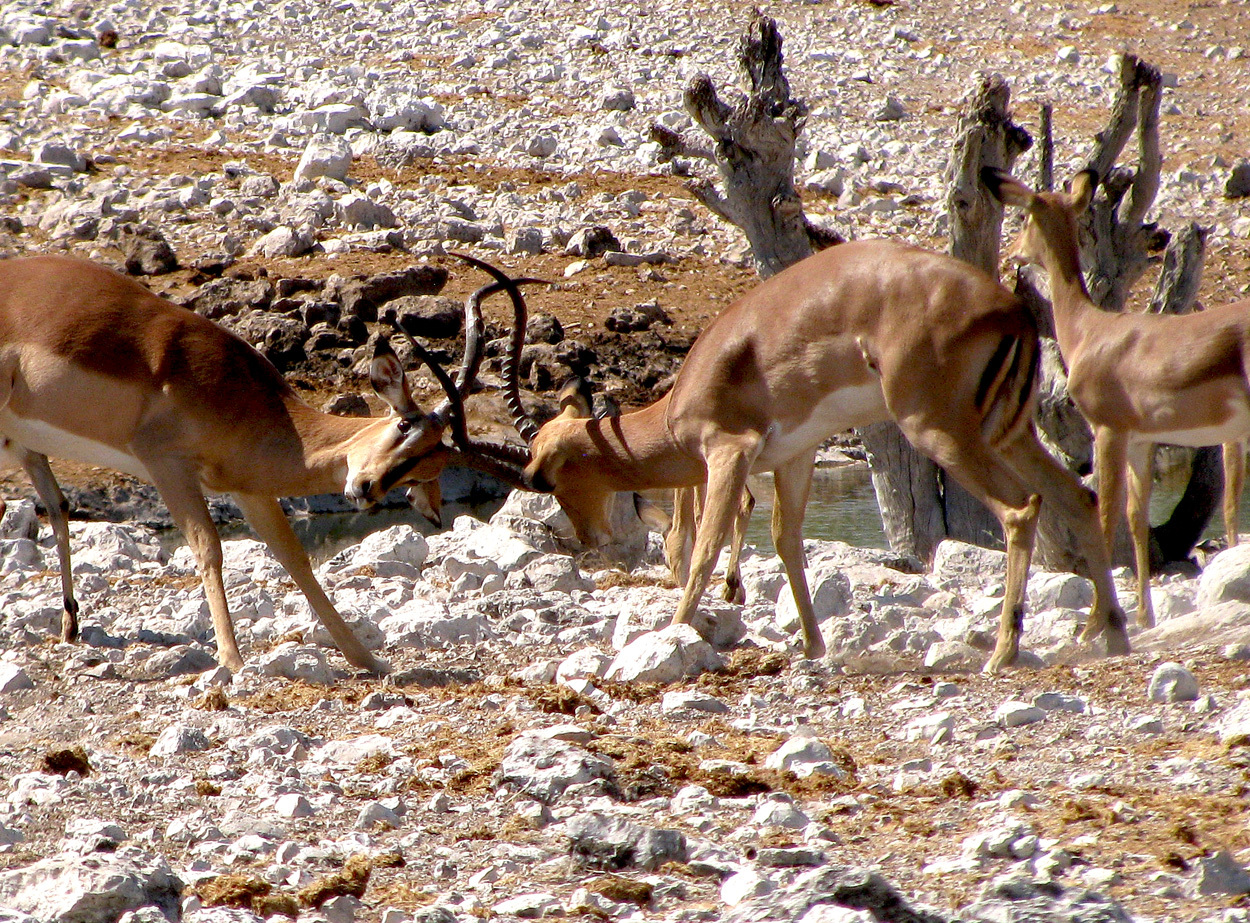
(636, 451)
(1070, 301)
(326, 440)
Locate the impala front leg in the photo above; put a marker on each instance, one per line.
(1110, 464)
(678, 543)
(264, 514)
(734, 591)
(727, 470)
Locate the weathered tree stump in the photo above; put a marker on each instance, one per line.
(753, 149)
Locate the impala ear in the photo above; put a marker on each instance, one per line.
(427, 499)
(576, 399)
(1084, 184)
(1006, 188)
(386, 374)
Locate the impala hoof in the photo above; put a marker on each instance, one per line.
(1001, 661)
(376, 666)
(1117, 643)
(233, 664)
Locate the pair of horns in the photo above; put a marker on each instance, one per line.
(494, 458)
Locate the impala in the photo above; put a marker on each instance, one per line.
(858, 333)
(1140, 379)
(96, 368)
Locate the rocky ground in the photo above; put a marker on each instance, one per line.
(521, 760)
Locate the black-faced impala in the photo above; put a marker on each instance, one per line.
(1140, 379)
(857, 334)
(97, 369)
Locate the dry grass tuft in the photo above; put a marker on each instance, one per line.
(231, 890)
(352, 880)
(556, 699)
(246, 893)
(622, 890)
(207, 789)
(958, 785)
(374, 763)
(136, 741)
(61, 762)
(213, 699)
(749, 662)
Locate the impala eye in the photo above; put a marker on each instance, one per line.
(403, 425)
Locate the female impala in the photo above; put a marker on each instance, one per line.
(858, 333)
(96, 368)
(1140, 379)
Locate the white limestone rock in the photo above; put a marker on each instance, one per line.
(665, 656)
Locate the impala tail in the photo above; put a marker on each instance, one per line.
(1007, 393)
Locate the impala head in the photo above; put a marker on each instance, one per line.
(552, 446)
(403, 447)
(1051, 217)
(407, 447)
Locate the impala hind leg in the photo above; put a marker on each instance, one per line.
(1141, 469)
(1234, 476)
(41, 476)
(727, 470)
(981, 472)
(264, 514)
(792, 482)
(1077, 505)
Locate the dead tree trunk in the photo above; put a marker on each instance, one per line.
(987, 137)
(754, 151)
(1120, 242)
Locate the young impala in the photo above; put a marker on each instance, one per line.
(858, 333)
(1140, 379)
(96, 368)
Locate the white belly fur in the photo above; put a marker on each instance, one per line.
(845, 408)
(43, 437)
(1236, 428)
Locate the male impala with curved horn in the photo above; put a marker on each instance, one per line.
(856, 334)
(1140, 379)
(96, 368)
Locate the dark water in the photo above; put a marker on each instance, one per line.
(841, 507)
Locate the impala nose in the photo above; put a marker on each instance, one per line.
(360, 493)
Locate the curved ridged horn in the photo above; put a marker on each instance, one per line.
(524, 424)
(474, 327)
